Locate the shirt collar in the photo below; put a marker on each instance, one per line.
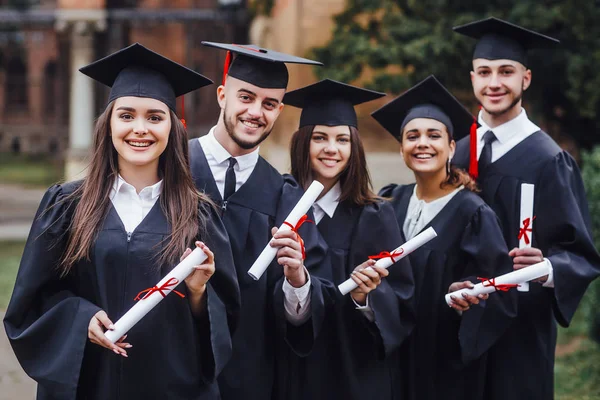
(516, 126)
(120, 182)
(221, 155)
(330, 200)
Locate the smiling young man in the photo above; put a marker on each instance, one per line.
(286, 302)
(512, 150)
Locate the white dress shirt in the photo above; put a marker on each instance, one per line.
(132, 207)
(327, 205)
(297, 300)
(420, 212)
(508, 135)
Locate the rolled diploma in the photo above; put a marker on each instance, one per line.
(526, 212)
(268, 254)
(143, 306)
(517, 277)
(407, 248)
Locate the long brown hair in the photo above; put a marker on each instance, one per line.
(354, 179)
(184, 207)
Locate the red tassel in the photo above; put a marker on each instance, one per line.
(183, 112)
(226, 66)
(473, 165)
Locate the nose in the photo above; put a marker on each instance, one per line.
(423, 141)
(494, 80)
(254, 109)
(140, 127)
(331, 148)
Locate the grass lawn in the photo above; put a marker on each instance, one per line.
(10, 255)
(29, 170)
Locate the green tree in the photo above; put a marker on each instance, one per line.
(390, 45)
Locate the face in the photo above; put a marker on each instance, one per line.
(329, 152)
(249, 112)
(140, 130)
(425, 147)
(499, 84)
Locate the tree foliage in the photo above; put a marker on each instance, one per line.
(390, 45)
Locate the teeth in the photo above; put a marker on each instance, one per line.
(329, 163)
(424, 156)
(250, 124)
(140, 144)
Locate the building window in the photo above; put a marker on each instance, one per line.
(16, 97)
(50, 83)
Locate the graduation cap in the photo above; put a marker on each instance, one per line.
(140, 72)
(261, 67)
(329, 103)
(501, 40)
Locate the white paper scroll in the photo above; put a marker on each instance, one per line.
(526, 223)
(166, 285)
(517, 277)
(398, 254)
(268, 254)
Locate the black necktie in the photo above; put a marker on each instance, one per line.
(485, 159)
(229, 179)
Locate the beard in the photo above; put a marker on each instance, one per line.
(246, 145)
(513, 103)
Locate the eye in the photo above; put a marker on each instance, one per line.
(483, 73)
(344, 140)
(126, 116)
(435, 136)
(269, 105)
(245, 98)
(155, 118)
(507, 72)
(412, 137)
(318, 138)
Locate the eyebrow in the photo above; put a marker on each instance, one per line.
(326, 134)
(428, 130)
(255, 95)
(151, 111)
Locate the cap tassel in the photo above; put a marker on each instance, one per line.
(473, 164)
(183, 112)
(226, 66)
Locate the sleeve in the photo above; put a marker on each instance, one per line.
(46, 323)
(322, 291)
(223, 300)
(485, 255)
(387, 191)
(392, 302)
(562, 230)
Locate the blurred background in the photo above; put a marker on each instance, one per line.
(47, 108)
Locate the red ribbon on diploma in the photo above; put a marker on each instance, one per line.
(492, 282)
(385, 254)
(524, 229)
(165, 286)
(295, 229)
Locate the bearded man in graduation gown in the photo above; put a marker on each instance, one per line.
(254, 198)
(512, 150)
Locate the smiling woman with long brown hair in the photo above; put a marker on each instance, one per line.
(445, 355)
(98, 242)
(350, 357)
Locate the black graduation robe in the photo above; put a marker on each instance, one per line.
(174, 355)
(351, 358)
(445, 354)
(262, 202)
(523, 360)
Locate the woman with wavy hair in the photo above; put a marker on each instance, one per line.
(445, 355)
(97, 244)
(363, 329)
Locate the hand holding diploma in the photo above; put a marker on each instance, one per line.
(464, 302)
(367, 276)
(289, 255)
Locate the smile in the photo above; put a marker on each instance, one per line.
(251, 124)
(145, 143)
(423, 156)
(329, 162)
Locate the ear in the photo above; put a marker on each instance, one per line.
(221, 96)
(526, 79)
(472, 74)
(452, 148)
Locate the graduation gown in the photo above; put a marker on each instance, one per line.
(262, 202)
(174, 355)
(351, 356)
(524, 357)
(445, 354)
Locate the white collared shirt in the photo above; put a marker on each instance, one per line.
(297, 300)
(508, 135)
(132, 207)
(420, 212)
(218, 161)
(328, 203)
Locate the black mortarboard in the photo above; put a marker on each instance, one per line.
(427, 99)
(140, 72)
(329, 103)
(261, 67)
(501, 40)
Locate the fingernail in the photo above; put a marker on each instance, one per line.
(116, 351)
(129, 346)
(111, 327)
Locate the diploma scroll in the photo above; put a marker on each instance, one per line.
(398, 254)
(519, 276)
(156, 294)
(268, 254)
(526, 223)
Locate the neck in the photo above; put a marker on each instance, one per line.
(328, 184)
(495, 120)
(429, 185)
(140, 176)
(227, 142)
